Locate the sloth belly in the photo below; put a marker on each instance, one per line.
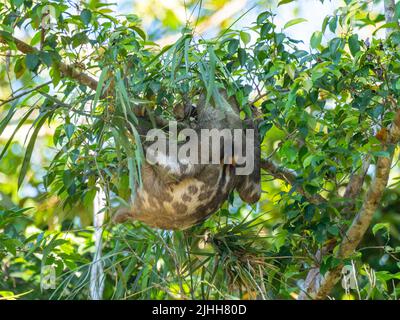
(186, 202)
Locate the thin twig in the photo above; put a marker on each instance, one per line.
(24, 93)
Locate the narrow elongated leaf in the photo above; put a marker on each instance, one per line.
(20, 123)
(187, 62)
(123, 98)
(7, 118)
(284, 2)
(131, 159)
(28, 154)
(294, 22)
(99, 88)
(211, 75)
(389, 25)
(397, 10)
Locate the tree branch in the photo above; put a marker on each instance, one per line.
(390, 8)
(66, 69)
(356, 181)
(291, 178)
(12, 98)
(71, 72)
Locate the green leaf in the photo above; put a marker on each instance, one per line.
(50, 247)
(36, 38)
(89, 197)
(316, 39)
(155, 58)
(100, 86)
(380, 226)
(264, 127)
(86, 16)
(233, 46)
(324, 24)
(333, 24)
(280, 239)
(29, 149)
(139, 31)
(354, 44)
(333, 230)
(19, 125)
(389, 25)
(266, 27)
(245, 37)
(284, 2)
(67, 178)
(328, 263)
(242, 55)
(308, 160)
(398, 84)
(31, 61)
(69, 130)
(382, 154)
(334, 45)
(397, 10)
(19, 68)
(294, 22)
(17, 3)
(45, 57)
(79, 39)
(290, 70)
(7, 118)
(55, 74)
(263, 16)
(288, 151)
(211, 74)
(279, 37)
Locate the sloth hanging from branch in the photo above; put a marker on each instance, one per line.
(187, 178)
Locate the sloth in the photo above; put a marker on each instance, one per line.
(175, 195)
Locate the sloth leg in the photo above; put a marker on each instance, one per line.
(249, 186)
(122, 215)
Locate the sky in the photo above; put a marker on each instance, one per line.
(312, 10)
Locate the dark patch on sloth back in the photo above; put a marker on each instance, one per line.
(193, 189)
(186, 198)
(203, 211)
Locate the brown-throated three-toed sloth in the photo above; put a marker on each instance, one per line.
(178, 194)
